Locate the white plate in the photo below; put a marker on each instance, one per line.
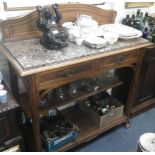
(139, 34)
(132, 37)
(95, 42)
(123, 31)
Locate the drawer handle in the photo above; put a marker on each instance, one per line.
(120, 59)
(67, 74)
(70, 73)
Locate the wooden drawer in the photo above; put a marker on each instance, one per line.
(118, 59)
(65, 73)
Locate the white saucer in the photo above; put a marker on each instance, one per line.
(124, 32)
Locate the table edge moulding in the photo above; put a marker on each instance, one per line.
(48, 77)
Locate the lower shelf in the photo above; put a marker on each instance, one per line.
(88, 130)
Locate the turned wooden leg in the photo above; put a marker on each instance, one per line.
(127, 124)
(34, 99)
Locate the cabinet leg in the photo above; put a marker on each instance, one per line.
(127, 124)
(36, 130)
(34, 98)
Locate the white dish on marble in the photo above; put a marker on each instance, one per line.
(124, 32)
(95, 42)
(86, 21)
(110, 37)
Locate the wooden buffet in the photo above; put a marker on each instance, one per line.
(38, 80)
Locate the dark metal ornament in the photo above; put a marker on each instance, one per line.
(61, 93)
(48, 18)
(73, 89)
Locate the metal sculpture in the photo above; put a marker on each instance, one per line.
(48, 18)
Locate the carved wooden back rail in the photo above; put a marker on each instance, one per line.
(25, 27)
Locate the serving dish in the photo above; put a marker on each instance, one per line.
(124, 32)
(95, 42)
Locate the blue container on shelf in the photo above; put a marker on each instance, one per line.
(53, 144)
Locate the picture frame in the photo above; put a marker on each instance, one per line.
(31, 4)
(8, 7)
(138, 4)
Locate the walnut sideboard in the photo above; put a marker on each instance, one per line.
(42, 70)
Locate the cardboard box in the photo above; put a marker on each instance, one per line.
(100, 121)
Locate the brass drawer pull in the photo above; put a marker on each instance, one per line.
(119, 59)
(69, 73)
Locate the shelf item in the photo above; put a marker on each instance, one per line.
(108, 117)
(73, 89)
(56, 143)
(54, 103)
(88, 130)
(100, 100)
(57, 131)
(82, 95)
(80, 88)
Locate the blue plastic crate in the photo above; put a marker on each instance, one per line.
(53, 144)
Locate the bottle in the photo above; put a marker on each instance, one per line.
(146, 33)
(1, 77)
(141, 22)
(125, 21)
(146, 20)
(132, 21)
(137, 19)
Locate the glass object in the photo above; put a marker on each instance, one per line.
(61, 93)
(73, 89)
(3, 96)
(1, 77)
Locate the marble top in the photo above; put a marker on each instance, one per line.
(30, 54)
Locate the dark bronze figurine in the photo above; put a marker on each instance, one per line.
(53, 37)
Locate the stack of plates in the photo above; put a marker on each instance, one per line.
(123, 31)
(86, 24)
(95, 42)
